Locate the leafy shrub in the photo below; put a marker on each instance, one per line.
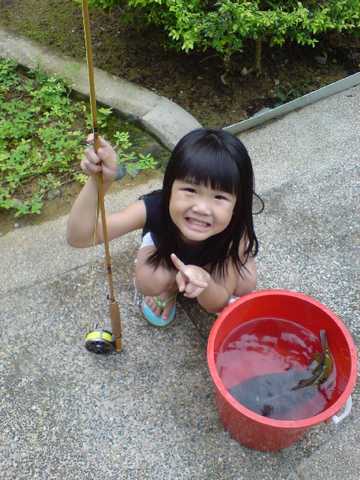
(225, 25)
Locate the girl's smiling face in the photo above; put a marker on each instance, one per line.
(198, 211)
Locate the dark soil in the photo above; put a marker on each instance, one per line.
(193, 81)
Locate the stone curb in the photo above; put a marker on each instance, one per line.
(166, 120)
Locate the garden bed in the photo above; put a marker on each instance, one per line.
(193, 81)
(43, 128)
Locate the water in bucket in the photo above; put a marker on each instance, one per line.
(266, 364)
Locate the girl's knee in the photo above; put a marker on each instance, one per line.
(247, 287)
(247, 282)
(152, 281)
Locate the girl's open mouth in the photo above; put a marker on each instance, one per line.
(196, 224)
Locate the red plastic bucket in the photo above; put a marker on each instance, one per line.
(254, 430)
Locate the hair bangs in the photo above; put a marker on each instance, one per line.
(219, 171)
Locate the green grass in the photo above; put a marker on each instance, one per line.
(42, 131)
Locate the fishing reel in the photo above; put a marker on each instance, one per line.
(99, 341)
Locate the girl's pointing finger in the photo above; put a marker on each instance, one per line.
(181, 283)
(199, 283)
(177, 262)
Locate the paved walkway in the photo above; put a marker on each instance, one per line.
(149, 412)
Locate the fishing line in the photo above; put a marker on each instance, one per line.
(100, 340)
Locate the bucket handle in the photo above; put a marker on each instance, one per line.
(346, 412)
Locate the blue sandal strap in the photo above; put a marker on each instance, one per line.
(161, 303)
(157, 320)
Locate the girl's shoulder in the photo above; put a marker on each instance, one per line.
(152, 197)
(153, 205)
(153, 194)
(153, 202)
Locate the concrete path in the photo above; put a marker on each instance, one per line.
(149, 412)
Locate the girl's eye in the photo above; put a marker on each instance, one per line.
(188, 189)
(221, 197)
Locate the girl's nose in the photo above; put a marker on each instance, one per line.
(201, 207)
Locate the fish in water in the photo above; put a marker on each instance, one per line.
(322, 368)
(276, 394)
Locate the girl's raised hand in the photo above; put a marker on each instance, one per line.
(103, 160)
(191, 279)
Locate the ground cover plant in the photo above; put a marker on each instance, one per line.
(42, 133)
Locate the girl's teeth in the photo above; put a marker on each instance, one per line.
(198, 222)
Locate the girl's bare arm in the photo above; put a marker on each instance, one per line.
(195, 282)
(218, 292)
(82, 228)
(81, 223)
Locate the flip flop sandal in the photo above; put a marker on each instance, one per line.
(157, 320)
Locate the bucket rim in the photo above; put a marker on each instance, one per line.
(271, 422)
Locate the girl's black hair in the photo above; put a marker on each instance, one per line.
(219, 159)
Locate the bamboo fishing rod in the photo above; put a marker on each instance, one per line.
(97, 339)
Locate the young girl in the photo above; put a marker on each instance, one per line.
(198, 232)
